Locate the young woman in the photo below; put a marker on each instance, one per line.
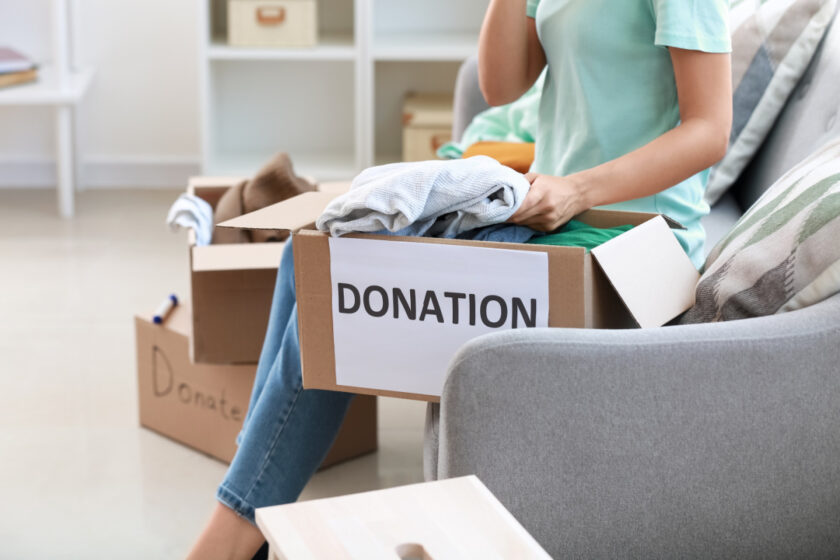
(636, 107)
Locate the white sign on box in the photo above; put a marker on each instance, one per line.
(401, 310)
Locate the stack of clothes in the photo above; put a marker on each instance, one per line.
(462, 199)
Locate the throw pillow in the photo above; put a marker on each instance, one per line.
(772, 43)
(783, 254)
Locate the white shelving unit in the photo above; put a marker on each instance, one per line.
(337, 107)
(62, 87)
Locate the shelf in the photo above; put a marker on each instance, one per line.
(46, 90)
(330, 47)
(425, 46)
(322, 167)
(385, 159)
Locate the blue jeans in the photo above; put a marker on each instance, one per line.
(287, 431)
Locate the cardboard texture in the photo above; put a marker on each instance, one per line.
(641, 278)
(231, 285)
(203, 406)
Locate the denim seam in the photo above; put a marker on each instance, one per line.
(231, 499)
(264, 462)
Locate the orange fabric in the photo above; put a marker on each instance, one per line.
(517, 155)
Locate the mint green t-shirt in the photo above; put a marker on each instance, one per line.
(610, 89)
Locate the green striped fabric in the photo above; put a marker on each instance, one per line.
(772, 43)
(784, 253)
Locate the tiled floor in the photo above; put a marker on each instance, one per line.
(78, 478)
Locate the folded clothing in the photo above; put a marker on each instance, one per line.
(578, 234)
(500, 233)
(193, 213)
(432, 198)
(517, 155)
(273, 183)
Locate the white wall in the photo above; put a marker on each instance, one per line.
(140, 123)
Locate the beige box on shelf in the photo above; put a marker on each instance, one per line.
(640, 278)
(203, 406)
(445, 520)
(272, 23)
(231, 287)
(427, 125)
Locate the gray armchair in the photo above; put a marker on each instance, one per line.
(718, 440)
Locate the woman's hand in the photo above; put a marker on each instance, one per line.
(551, 202)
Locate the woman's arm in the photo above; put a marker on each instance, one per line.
(704, 87)
(510, 57)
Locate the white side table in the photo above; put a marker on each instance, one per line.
(444, 520)
(60, 87)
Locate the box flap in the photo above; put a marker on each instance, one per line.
(293, 214)
(237, 256)
(650, 271)
(335, 187)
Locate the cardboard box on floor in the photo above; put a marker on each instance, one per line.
(231, 287)
(203, 406)
(640, 278)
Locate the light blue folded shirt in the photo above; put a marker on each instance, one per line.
(427, 198)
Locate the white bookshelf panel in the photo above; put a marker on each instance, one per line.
(332, 46)
(393, 80)
(259, 108)
(430, 30)
(413, 45)
(322, 166)
(396, 16)
(47, 90)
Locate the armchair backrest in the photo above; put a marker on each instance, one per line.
(469, 101)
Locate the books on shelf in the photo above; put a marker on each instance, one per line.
(15, 78)
(12, 61)
(16, 68)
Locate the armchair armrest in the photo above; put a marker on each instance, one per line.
(705, 440)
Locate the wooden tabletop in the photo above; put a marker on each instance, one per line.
(449, 519)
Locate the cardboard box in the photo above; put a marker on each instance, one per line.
(203, 406)
(231, 287)
(427, 125)
(640, 278)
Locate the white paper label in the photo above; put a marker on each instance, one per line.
(402, 310)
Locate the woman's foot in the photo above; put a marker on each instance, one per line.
(227, 537)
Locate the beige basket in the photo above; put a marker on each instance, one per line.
(427, 125)
(272, 23)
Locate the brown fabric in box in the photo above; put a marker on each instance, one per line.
(275, 182)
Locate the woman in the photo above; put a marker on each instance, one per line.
(636, 107)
